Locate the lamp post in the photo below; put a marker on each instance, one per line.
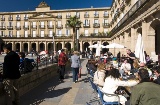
(77, 36)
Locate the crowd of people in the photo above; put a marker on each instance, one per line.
(140, 83)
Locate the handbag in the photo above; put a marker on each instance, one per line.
(79, 74)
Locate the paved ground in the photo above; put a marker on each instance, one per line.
(54, 92)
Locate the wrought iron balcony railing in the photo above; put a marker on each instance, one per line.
(50, 26)
(59, 16)
(67, 26)
(18, 27)
(86, 25)
(18, 18)
(96, 15)
(2, 19)
(26, 27)
(34, 27)
(25, 18)
(10, 19)
(59, 26)
(105, 15)
(10, 27)
(42, 26)
(96, 25)
(105, 25)
(2, 27)
(86, 15)
(68, 16)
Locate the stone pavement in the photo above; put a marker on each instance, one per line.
(55, 92)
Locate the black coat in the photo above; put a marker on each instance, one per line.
(11, 66)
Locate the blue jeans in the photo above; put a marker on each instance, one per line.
(75, 74)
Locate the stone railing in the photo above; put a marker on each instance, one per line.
(31, 80)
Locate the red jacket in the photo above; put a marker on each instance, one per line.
(62, 59)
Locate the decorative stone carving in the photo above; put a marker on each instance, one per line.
(43, 4)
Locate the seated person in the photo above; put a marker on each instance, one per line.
(142, 65)
(146, 92)
(157, 74)
(91, 65)
(125, 67)
(112, 82)
(100, 74)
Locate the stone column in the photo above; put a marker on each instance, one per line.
(54, 46)
(13, 46)
(29, 46)
(21, 47)
(126, 40)
(145, 38)
(45, 45)
(151, 44)
(63, 44)
(133, 42)
(81, 46)
(91, 43)
(37, 46)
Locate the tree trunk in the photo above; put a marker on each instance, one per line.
(74, 39)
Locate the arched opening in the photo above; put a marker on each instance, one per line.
(68, 46)
(2, 44)
(42, 47)
(17, 47)
(33, 46)
(59, 46)
(154, 29)
(86, 48)
(50, 47)
(94, 49)
(26, 47)
(10, 45)
(104, 50)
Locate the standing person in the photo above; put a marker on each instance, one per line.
(131, 56)
(76, 64)
(62, 60)
(10, 75)
(146, 92)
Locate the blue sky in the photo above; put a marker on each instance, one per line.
(23, 5)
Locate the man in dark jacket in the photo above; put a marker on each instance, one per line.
(10, 75)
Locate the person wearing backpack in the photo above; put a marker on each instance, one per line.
(11, 74)
(62, 60)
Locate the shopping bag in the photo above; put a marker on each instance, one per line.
(79, 74)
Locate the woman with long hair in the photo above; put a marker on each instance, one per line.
(112, 82)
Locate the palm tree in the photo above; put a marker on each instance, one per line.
(73, 22)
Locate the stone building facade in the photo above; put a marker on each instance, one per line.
(121, 23)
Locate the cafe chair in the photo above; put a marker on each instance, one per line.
(107, 103)
(94, 87)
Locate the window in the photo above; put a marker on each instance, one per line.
(42, 24)
(67, 32)
(10, 33)
(17, 15)
(59, 32)
(18, 24)
(25, 24)
(2, 24)
(86, 32)
(34, 24)
(50, 23)
(105, 31)
(96, 31)
(59, 14)
(50, 33)
(86, 22)
(96, 12)
(68, 14)
(1, 33)
(25, 16)
(96, 21)
(105, 21)
(34, 33)
(105, 13)
(78, 14)
(10, 24)
(18, 34)
(25, 33)
(42, 33)
(59, 23)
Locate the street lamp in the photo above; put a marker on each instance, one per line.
(77, 38)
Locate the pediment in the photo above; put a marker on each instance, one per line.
(42, 15)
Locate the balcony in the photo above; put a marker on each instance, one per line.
(59, 26)
(10, 27)
(96, 25)
(10, 19)
(122, 6)
(86, 15)
(25, 18)
(106, 15)
(34, 27)
(50, 26)
(68, 16)
(59, 17)
(86, 25)
(26, 27)
(18, 18)
(96, 15)
(42, 26)
(105, 25)
(2, 27)
(2, 19)
(67, 26)
(18, 27)
(78, 16)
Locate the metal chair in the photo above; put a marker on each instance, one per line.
(107, 103)
(94, 87)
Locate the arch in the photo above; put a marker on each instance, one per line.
(17, 47)
(94, 49)
(25, 47)
(104, 50)
(68, 46)
(50, 47)
(85, 46)
(10, 45)
(42, 47)
(154, 28)
(59, 46)
(33, 46)
(2, 44)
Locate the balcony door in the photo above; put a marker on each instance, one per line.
(34, 24)
(59, 23)
(96, 21)
(86, 22)
(26, 24)
(50, 33)
(86, 32)
(59, 32)
(25, 33)
(42, 24)
(42, 33)
(34, 33)
(18, 34)
(18, 24)
(50, 23)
